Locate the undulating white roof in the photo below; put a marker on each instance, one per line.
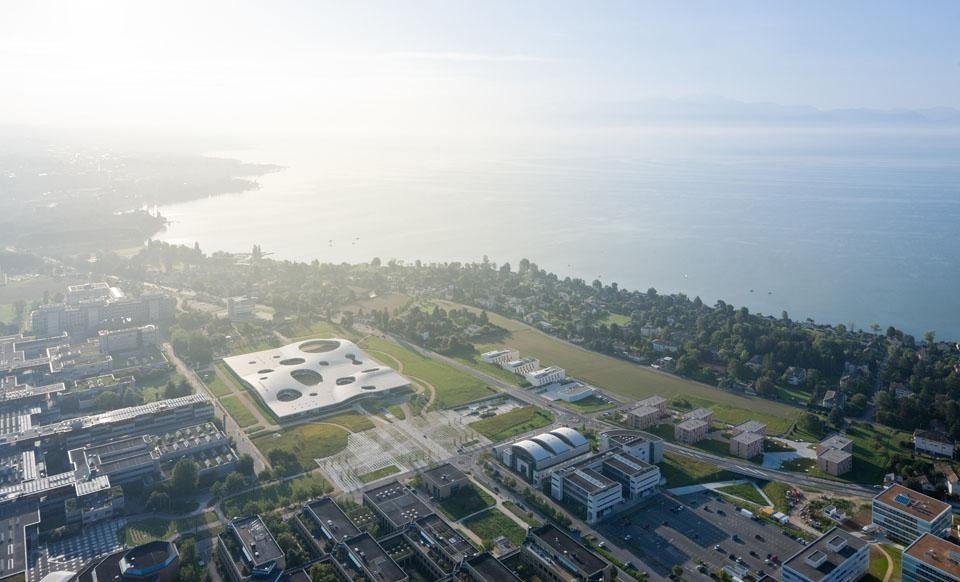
(574, 438)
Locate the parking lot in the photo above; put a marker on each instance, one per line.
(703, 528)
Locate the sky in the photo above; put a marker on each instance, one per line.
(364, 66)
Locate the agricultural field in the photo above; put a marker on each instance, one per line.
(453, 387)
(239, 411)
(517, 421)
(493, 523)
(306, 441)
(634, 382)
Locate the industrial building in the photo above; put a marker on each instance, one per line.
(905, 515)
(836, 556)
(532, 458)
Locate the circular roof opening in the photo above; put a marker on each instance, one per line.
(252, 362)
(306, 377)
(288, 395)
(368, 387)
(323, 363)
(264, 371)
(319, 346)
(368, 370)
(346, 380)
(313, 394)
(292, 362)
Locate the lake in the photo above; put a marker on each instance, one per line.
(841, 226)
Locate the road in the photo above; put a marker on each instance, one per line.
(241, 441)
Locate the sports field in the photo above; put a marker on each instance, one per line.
(635, 382)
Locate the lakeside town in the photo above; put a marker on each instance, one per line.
(154, 430)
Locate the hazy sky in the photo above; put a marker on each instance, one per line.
(402, 65)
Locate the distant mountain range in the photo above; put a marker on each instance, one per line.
(722, 111)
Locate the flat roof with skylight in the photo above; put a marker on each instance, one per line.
(312, 376)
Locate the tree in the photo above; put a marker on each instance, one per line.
(185, 477)
(108, 400)
(322, 573)
(836, 417)
(245, 464)
(811, 423)
(158, 501)
(234, 483)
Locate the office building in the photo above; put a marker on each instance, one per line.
(248, 551)
(642, 445)
(836, 556)
(931, 559)
(129, 339)
(395, 506)
(545, 376)
(521, 366)
(554, 555)
(85, 318)
(361, 558)
(443, 481)
(595, 493)
(499, 357)
(904, 515)
(485, 568)
(242, 308)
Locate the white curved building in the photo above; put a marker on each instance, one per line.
(308, 377)
(533, 457)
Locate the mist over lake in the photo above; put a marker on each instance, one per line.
(838, 225)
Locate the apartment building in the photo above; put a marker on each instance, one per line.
(747, 445)
(934, 443)
(690, 431)
(643, 417)
(499, 357)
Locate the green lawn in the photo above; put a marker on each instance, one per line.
(276, 495)
(777, 492)
(493, 523)
(379, 473)
(6, 313)
(633, 381)
(454, 388)
(397, 412)
(146, 530)
(467, 500)
(217, 386)
(616, 318)
(587, 405)
(526, 516)
(878, 565)
(306, 441)
(873, 451)
(745, 491)
(474, 361)
(239, 411)
(517, 421)
(349, 420)
(680, 471)
(774, 446)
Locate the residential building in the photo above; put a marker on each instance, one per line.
(747, 445)
(643, 417)
(658, 402)
(241, 308)
(836, 441)
(545, 376)
(835, 461)
(931, 559)
(933, 443)
(663, 346)
(750, 426)
(554, 555)
(521, 366)
(532, 458)
(248, 551)
(703, 414)
(795, 376)
(836, 556)
(443, 481)
(690, 431)
(128, 339)
(499, 357)
(905, 515)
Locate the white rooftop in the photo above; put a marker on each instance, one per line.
(311, 375)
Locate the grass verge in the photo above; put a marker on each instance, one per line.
(493, 523)
(270, 497)
(379, 473)
(239, 411)
(306, 441)
(517, 421)
(467, 500)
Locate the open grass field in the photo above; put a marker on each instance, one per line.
(493, 523)
(616, 318)
(217, 386)
(467, 500)
(153, 528)
(745, 491)
(633, 381)
(878, 565)
(306, 441)
(6, 313)
(389, 301)
(297, 330)
(33, 288)
(238, 410)
(517, 421)
(349, 420)
(454, 388)
(587, 405)
(680, 471)
(379, 473)
(777, 492)
(264, 499)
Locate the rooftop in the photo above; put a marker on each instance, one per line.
(489, 569)
(563, 545)
(628, 464)
(747, 438)
(445, 537)
(938, 553)
(652, 401)
(366, 551)
(836, 455)
(751, 426)
(909, 501)
(698, 414)
(257, 542)
(836, 441)
(312, 375)
(443, 474)
(332, 519)
(645, 411)
(932, 435)
(397, 503)
(825, 554)
(589, 480)
(692, 424)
